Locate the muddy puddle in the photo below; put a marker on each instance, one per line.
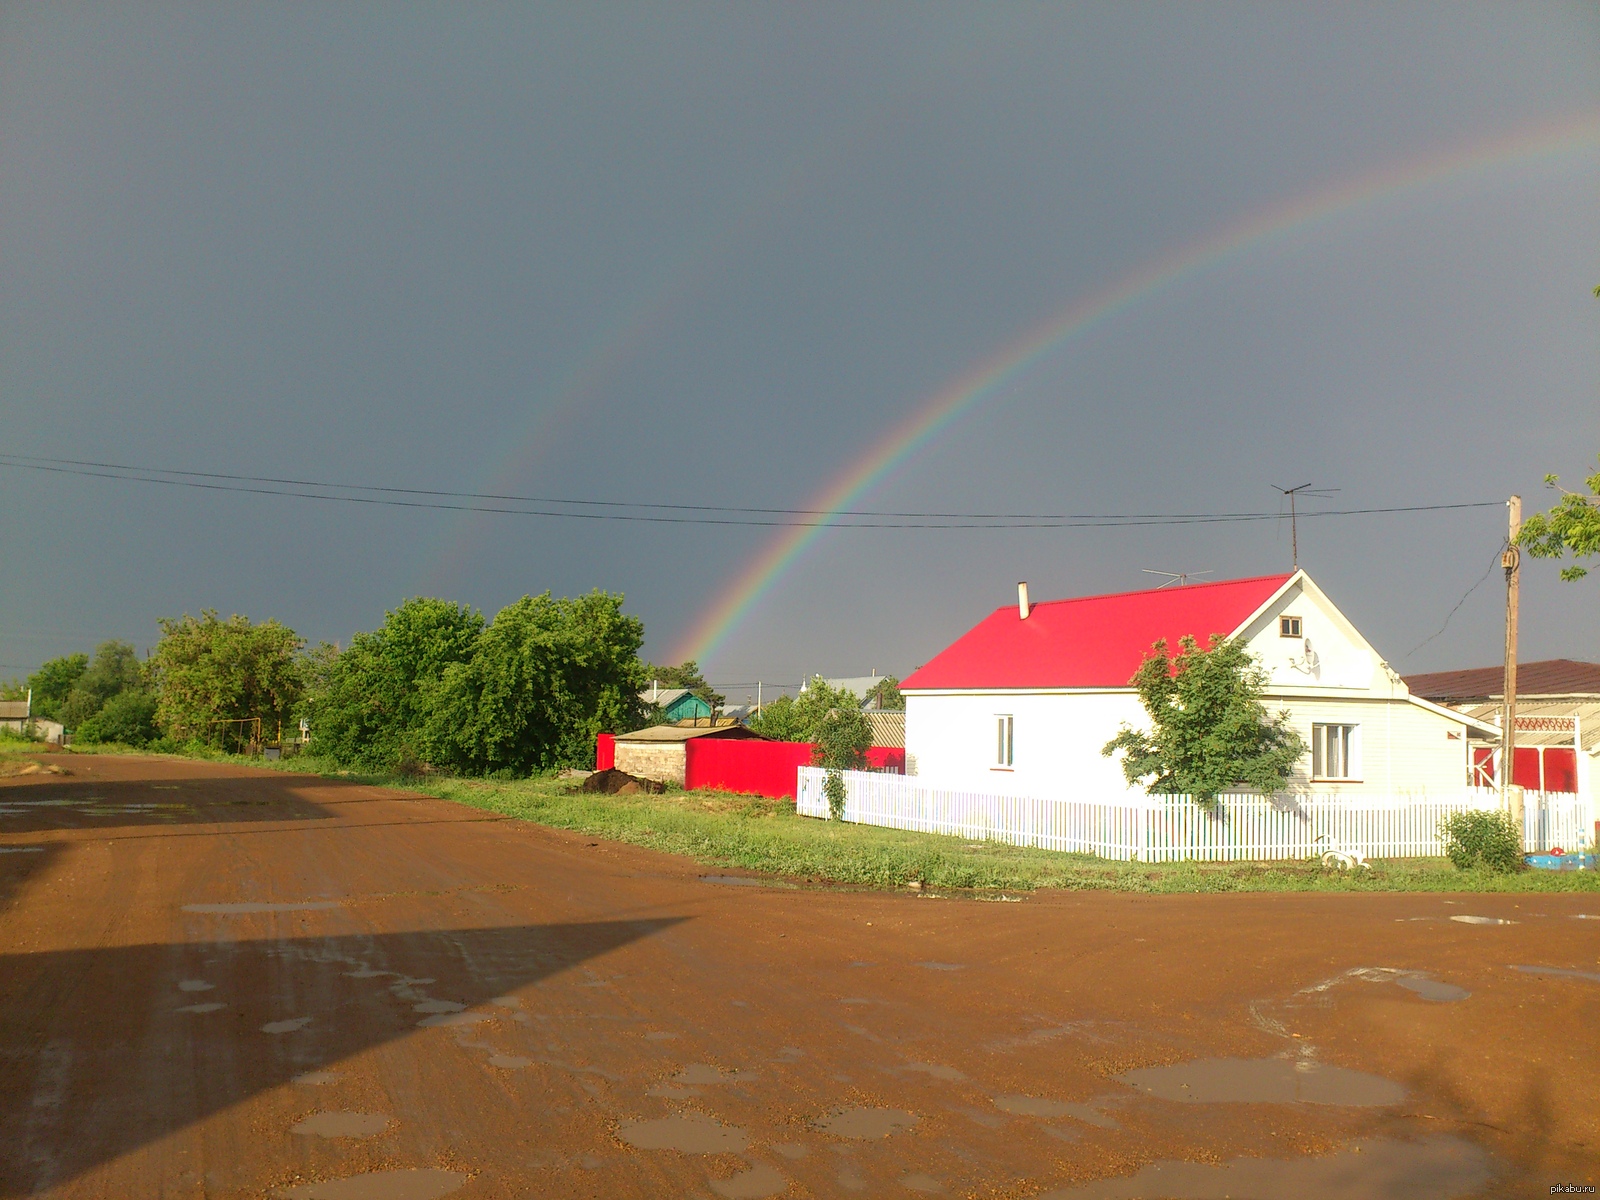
(1431, 1169)
(949, 1074)
(316, 1078)
(1432, 989)
(758, 1182)
(1264, 1081)
(292, 1025)
(194, 985)
(21, 849)
(939, 966)
(749, 881)
(210, 1006)
(866, 1122)
(697, 1073)
(1464, 919)
(1560, 972)
(919, 1182)
(509, 1062)
(427, 1184)
(230, 909)
(454, 1019)
(341, 1125)
(690, 1133)
(1036, 1106)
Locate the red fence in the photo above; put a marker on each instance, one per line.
(748, 765)
(1537, 768)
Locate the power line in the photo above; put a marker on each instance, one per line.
(766, 517)
(1493, 563)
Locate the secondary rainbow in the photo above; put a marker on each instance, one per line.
(932, 417)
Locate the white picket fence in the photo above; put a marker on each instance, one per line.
(1170, 828)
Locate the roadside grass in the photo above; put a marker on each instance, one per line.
(753, 833)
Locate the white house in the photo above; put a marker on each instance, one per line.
(1024, 701)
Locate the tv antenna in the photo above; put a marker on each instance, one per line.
(1175, 577)
(1303, 489)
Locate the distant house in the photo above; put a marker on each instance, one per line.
(659, 752)
(17, 716)
(888, 728)
(676, 704)
(1558, 720)
(1024, 701)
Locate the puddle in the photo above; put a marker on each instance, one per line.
(366, 973)
(1562, 972)
(938, 1072)
(921, 1183)
(866, 1122)
(1466, 920)
(1432, 1169)
(505, 1002)
(212, 1006)
(933, 966)
(696, 1073)
(856, 1000)
(1575, 916)
(1263, 1081)
(317, 1078)
(195, 985)
(293, 1025)
(438, 1006)
(341, 1125)
(791, 1150)
(381, 1185)
(691, 1134)
(1035, 1106)
(454, 1019)
(1432, 989)
(21, 849)
(759, 1181)
(671, 1091)
(852, 1180)
(225, 909)
(748, 881)
(511, 1062)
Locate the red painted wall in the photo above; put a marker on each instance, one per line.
(764, 768)
(605, 751)
(1560, 768)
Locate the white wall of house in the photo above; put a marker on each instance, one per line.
(1398, 745)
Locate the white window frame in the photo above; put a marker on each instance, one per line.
(1289, 626)
(1005, 741)
(1336, 752)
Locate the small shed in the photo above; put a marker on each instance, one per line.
(659, 751)
(676, 704)
(17, 716)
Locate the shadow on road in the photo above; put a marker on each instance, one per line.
(106, 1050)
(34, 804)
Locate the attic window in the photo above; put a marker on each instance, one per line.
(1289, 627)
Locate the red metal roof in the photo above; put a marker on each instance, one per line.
(1551, 677)
(1090, 642)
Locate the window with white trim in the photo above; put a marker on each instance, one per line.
(1005, 740)
(1335, 751)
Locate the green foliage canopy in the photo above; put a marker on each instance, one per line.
(1210, 731)
(129, 717)
(830, 717)
(544, 678)
(207, 670)
(1573, 524)
(53, 682)
(368, 706)
(684, 675)
(115, 669)
(885, 695)
(1488, 841)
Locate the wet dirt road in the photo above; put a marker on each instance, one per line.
(226, 983)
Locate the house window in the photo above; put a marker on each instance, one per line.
(1005, 725)
(1336, 752)
(1288, 626)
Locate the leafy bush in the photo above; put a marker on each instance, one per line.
(115, 670)
(129, 718)
(1489, 841)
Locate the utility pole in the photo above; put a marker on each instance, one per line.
(1511, 560)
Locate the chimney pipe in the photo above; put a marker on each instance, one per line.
(1023, 607)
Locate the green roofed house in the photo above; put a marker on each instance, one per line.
(676, 704)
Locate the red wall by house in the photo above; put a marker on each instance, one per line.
(605, 752)
(765, 768)
(1560, 765)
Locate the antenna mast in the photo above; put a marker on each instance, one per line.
(1294, 525)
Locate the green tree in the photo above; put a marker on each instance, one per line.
(368, 706)
(1573, 524)
(544, 678)
(129, 718)
(53, 681)
(207, 670)
(818, 715)
(115, 669)
(885, 695)
(1210, 731)
(13, 689)
(685, 675)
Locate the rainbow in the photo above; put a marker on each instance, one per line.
(939, 411)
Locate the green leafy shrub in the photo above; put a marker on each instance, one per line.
(128, 718)
(1488, 841)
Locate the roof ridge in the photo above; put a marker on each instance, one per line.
(1188, 587)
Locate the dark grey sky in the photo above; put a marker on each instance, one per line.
(709, 253)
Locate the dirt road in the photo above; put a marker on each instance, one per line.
(231, 983)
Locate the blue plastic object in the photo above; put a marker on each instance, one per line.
(1561, 862)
